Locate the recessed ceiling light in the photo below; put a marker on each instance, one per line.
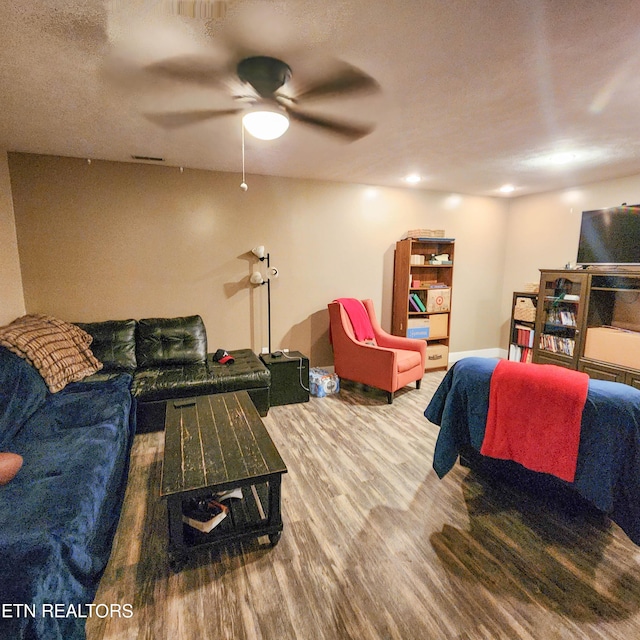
(412, 178)
(507, 188)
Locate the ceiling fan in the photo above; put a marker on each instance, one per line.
(263, 81)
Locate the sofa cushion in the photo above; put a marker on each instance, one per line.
(246, 372)
(171, 341)
(407, 359)
(181, 381)
(22, 392)
(171, 381)
(57, 349)
(114, 343)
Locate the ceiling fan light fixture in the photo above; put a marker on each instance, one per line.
(266, 124)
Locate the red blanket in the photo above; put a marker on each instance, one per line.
(359, 318)
(534, 417)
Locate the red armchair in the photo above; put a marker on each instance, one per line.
(388, 363)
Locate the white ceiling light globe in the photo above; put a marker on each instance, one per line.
(266, 125)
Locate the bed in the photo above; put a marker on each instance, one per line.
(607, 474)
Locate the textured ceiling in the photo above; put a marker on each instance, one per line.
(473, 93)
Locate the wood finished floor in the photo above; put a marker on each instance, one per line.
(374, 546)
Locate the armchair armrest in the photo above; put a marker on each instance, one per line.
(390, 341)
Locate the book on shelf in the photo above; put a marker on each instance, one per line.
(204, 515)
(557, 344)
(520, 354)
(419, 302)
(561, 317)
(413, 304)
(524, 335)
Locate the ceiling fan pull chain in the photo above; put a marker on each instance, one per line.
(243, 184)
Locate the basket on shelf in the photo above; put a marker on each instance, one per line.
(424, 233)
(525, 310)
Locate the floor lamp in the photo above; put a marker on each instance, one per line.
(257, 278)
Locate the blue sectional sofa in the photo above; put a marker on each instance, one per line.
(59, 514)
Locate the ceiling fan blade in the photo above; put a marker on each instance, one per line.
(190, 68)
(346, 80)
(175, 119)
(346, 130)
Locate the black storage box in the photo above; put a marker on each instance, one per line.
(289, 377)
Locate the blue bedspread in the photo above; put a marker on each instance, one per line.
(608, 470)
(59, 514)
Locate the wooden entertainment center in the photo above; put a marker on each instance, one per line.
(589, 320)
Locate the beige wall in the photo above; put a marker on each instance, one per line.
(543, 230)
(116, 240)
(11, 296)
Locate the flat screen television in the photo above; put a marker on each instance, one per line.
(610, 236)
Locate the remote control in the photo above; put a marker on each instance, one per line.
(185, 402)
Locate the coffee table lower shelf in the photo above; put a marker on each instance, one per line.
(257, 514)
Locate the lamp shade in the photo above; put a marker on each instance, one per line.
(256, 278)
(258, 252)
(265, 123)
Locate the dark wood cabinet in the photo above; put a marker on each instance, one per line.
(601, 371)
(570, 304)
(559, 318)
(633, 379)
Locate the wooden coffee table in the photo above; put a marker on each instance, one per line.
(211, 444)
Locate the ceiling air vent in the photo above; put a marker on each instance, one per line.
(148, 158)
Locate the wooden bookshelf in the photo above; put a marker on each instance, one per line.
(406, 275)
(522, 326)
